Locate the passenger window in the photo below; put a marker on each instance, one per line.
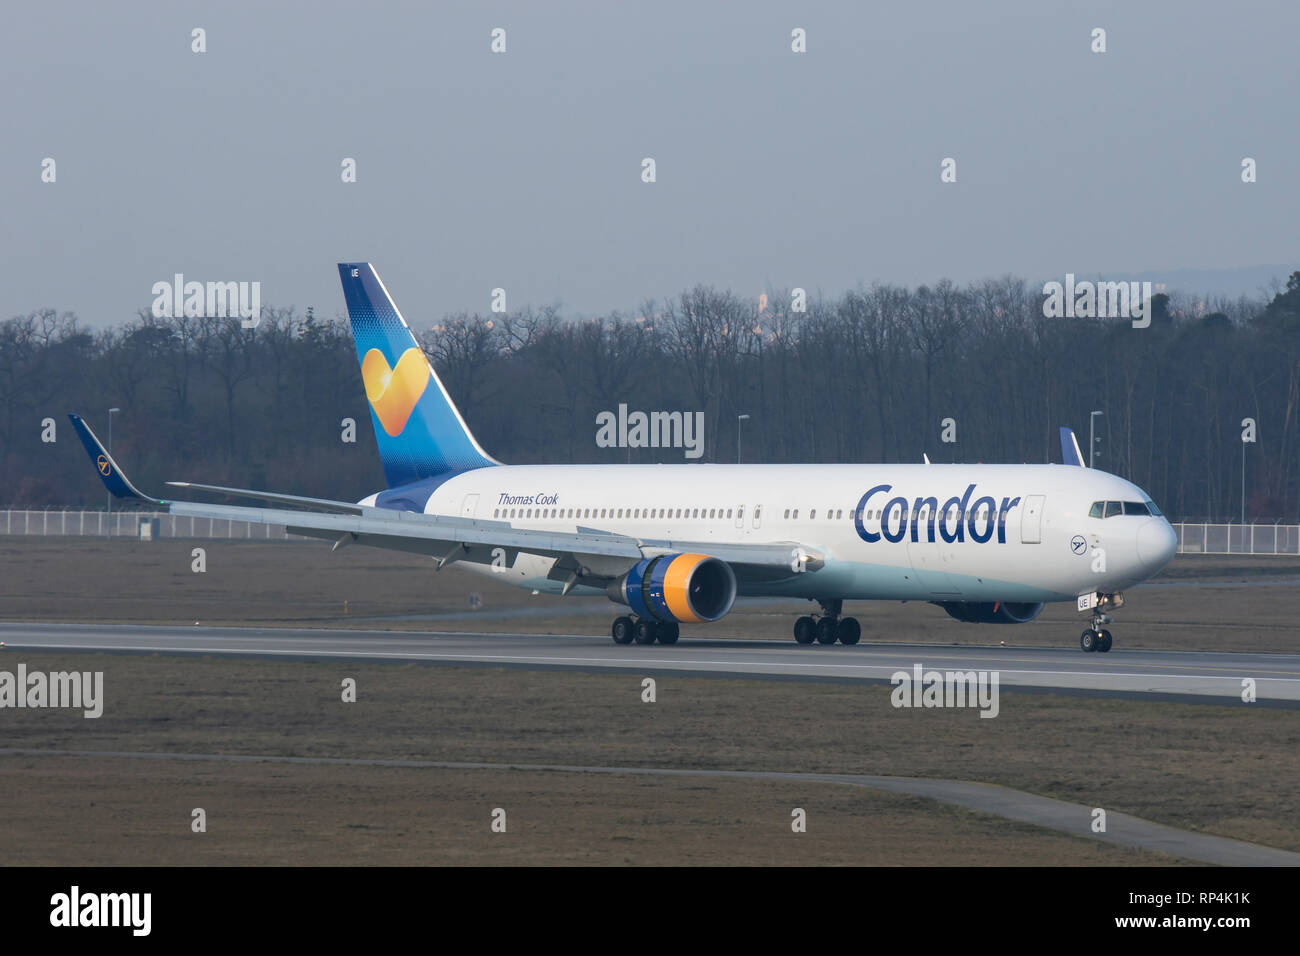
(796, 514)
(787, 512)
(728, 512)
(812, 514)
(1113, 508)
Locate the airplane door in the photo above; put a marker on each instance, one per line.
(740, 517)
(469, 506)
(1031, 520)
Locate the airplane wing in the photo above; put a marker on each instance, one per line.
(589, 553)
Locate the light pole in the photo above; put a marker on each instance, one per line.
(111, 413)
(739, 419)
(1243, 480)
(1092, 435)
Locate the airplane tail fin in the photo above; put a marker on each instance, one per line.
(1070, 453)
(419, 430)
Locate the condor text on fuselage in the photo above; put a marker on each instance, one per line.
(957, 518)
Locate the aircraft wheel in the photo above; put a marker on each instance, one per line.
(622, 630)
(668, 633)
(1103, 643)
(646, 631)
(805, 630)
(1088, 641)
(849, 631)
(826, 631)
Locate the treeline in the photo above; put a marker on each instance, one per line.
(870, 376)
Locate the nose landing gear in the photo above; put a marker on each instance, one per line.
(829, 627)
(1096, 638)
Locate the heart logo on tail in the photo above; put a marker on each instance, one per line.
(393, 392)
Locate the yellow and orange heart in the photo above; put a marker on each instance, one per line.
(393, 392)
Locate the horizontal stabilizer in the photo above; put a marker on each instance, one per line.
(321, 504)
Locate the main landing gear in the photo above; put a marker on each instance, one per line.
(829, 627)
(1095, 638)
(643, 631)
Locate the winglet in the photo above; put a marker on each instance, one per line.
(1070, 453)
(115, 480)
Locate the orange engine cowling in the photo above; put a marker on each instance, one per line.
(680, 588)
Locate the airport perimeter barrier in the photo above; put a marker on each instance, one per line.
(133, 524)
(1193, 538)
(1237, 538)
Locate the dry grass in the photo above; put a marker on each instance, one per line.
(1229, 771)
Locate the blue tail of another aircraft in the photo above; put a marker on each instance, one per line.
(419, 430)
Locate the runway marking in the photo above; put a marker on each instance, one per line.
(604, 661)
(625, 662)
(1019, 805)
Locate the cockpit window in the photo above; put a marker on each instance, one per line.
(1109, 509)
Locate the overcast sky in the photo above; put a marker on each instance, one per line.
(523, 170)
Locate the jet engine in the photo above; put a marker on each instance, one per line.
(680, 588)
(991, 612)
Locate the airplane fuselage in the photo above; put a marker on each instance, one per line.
(964, 533)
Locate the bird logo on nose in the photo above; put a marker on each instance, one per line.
(1078, 544)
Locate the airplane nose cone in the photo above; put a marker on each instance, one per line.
(1156, 544)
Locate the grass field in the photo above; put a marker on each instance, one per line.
(1227, 771)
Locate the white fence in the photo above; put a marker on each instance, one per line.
(127, 524)
(1192, 538)
(1238, 538)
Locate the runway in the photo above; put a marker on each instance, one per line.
(1202, 676)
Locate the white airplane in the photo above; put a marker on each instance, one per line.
(676, 544)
